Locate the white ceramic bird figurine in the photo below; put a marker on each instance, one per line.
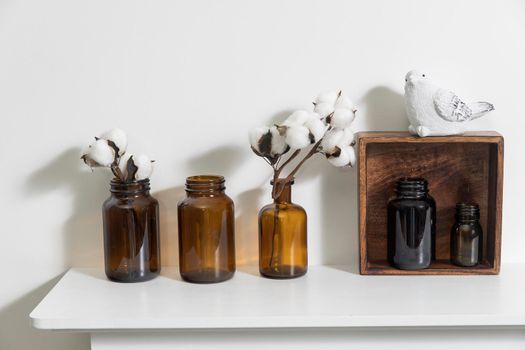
(433, 111)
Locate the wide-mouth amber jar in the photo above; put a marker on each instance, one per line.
(283, 249)
(131, 232)
(206, 231)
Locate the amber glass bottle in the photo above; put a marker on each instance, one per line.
(282, 237)
(411, 225)
(131, 232)
(206, 231)
(466, 236)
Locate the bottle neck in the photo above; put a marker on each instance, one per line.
(467, 212)
(124, 189)
(412, 188)
(205, 185)
(286, 194)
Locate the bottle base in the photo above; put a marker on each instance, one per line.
(207, 276)
(123, 277)
(457, 263)
(283, 272)
(409, 267)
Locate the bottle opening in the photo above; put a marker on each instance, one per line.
(127, 188)
(205, 183)
(412, 186)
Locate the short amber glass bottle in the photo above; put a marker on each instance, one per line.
(411, 225)
(131, 232)
(282, 237)
(206, 231)
(466, 236)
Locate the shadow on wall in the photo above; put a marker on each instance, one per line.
(82, 232)
(384, 110)
(338, 212)
(16, 331)
(247, 206)
(169, 244)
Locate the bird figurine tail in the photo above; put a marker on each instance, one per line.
(480, 108)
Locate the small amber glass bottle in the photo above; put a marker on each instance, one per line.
(282, 237)
(411, 225)
(206, 231)
(466, 236)
(131, 232)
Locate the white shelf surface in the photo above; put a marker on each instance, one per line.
(328, 296)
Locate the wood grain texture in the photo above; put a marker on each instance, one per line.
(457, 168)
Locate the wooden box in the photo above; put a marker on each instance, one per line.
(457, 168)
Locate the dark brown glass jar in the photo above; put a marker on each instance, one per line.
(466, 236)
(282, 237)
(206, 231)
(411, 225)
(131, 232)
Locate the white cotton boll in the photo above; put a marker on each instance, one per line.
(256, 135)
(331, 139)
(324, 109)
(316, 127)
(342, 159)
(118, 137)
(342, 118)
(123, 164)
(344, 102)
(350, 152)
(297, 118)
(298, 137)
(349, 136)
(144, 167)
(346, 157)
(279, 145)
(327, 97)
(100, 154)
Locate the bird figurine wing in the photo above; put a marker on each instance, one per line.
(450, 107)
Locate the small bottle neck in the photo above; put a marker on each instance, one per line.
(128, 189)
(286, 194)
(412, 188)
(205, 185)
(467, 212)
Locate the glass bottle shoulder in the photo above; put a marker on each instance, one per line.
(206, 201)
(472, 229)
(269, 209)
(402, 202)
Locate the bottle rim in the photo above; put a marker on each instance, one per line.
(205, 183)
(467, 211)
(134, 187)
(411, 186)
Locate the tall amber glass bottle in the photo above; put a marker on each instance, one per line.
(206, 231)
(282, 237)
(131, 232)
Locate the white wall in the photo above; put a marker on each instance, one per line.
(187, 80)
